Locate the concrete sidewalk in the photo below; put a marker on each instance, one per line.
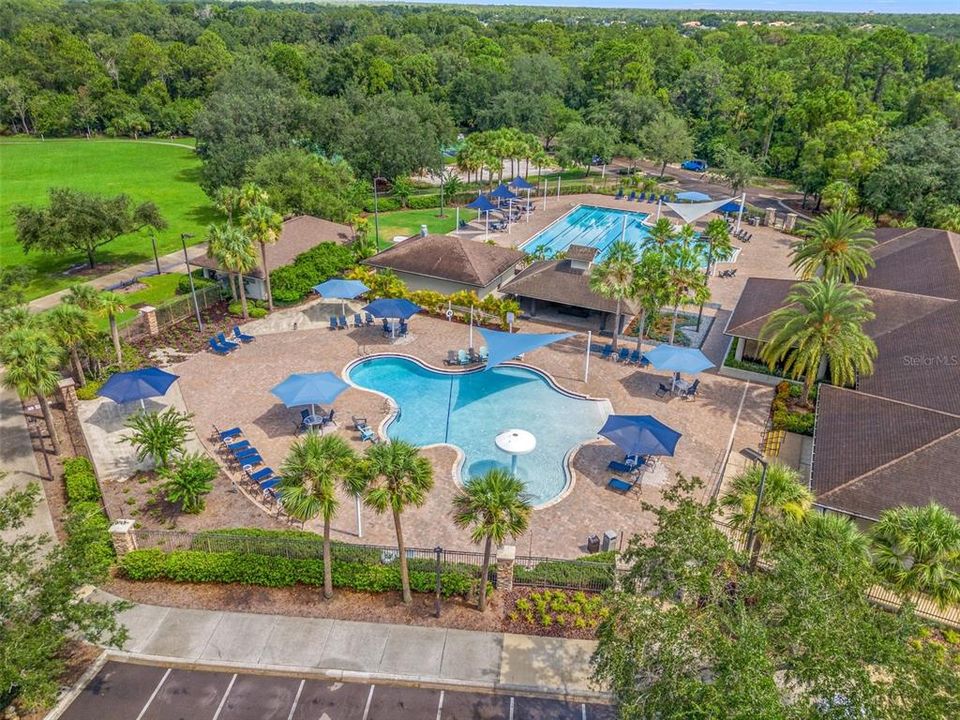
(173, 262)
(347, 650)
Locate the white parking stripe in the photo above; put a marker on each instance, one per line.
(583, 711)
(223, 700)
(296, 700)
(440, 706)
(511, 707)
(154, 694)
(366, 708)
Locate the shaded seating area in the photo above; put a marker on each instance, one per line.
(642, 438)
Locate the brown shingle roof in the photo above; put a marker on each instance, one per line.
(924, 261)
(299, 234)
(583, 253)
(448, 258)
(556, 281)
(759, 299)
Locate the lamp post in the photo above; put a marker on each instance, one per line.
(376, 211)
(752, 454)
(193, 290)
(153, 241)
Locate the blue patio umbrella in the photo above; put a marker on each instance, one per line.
(640, 435)
(678, 359)
(730, 206)
(482, 204)
(311, 389)
(392, 308)
(342, 289)
(520, 184)
(692, 196)
(502, 192)
(136, 385)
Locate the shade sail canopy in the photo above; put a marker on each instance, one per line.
(392, 308)
(678, 359)
(520, 184)
(482, 204)
(502, 192)
(340, 288)
(730, 206)
(691, 212)
(692, 196)
(640, 435)
(309, 389)
(137, 385)
(503, 346)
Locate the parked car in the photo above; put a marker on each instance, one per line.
(695, 165)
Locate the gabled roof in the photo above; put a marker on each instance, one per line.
(447, 257)
(922, 261)
(558, 281)
(761, 297)
(583, 253)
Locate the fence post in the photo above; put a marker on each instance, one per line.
(790, 223)
(121, 532)
(506, 556)
(770, 217)
(149, 315)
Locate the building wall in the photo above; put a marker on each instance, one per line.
(447, 287)
(255, 288)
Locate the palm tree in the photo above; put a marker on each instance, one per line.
(840, 532)
(684, 282)
(32, 362)
(227, 201)
(312, 472)
(396, 476)
(838, 244)
(917, 549)
(822, 320)
(613, 278)
(717, 236)
(661, 233)
(649, 288)
(231, 247)
(188, 483)
(492, 506)
(112, 304)
(540, 158)
(158, 435)
(263, 225)
(84, 295)
(785, 501)
(70, 326)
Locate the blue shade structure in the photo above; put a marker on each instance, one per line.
(640, 435)
(503, 346)
(311, 389)
(481, 204)
(502, 192)
(520, 184)
(137, 385)
(678, 359)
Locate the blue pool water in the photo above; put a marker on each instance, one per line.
(590, 226)
(470, 409)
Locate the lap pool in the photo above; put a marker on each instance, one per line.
(470, 409)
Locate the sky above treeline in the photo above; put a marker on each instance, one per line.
(840, 6)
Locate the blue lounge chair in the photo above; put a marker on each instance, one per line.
(225, 435)
(369, 318)
(242, 336)
(619, 194)
(250, 461)
(239, 445)
(245, 452)
(463, 357)
(641, 196)
(269, 483)
(620, 467)
(621, 486)
(634, 357)
(261, 474)
(333, 322)
(218, 348)
(227, 343)
(652, 198)
(357, 320)
(367, 434)
(623, 354)
(632, 196)
(343, 322)
(607, 351)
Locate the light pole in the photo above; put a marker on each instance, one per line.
(752, 454)
(153, 241)
(376, 212)
(193, 290)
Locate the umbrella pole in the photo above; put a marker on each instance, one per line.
(513, 466)
(142, 406)
(471, 328)
(586, 361)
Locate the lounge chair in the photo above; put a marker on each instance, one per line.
(218, 348)
(357, 320)
(227, 343)
(250, 461)
(261, 474)
(242, 336)
(619, 194)
(662, 390)
(619, 467)
(642, 196)
(634, 357)
(633, 196)
(607, 351)
(367, 434)
(227, 435)
(358, 422)
(483, 354)
(451, 358)
(621, 486)
(333, 322)
(239, 445)
(269, 483)
(343, 322)
(463, 357)
(243, 452)
(369, 318)
(623, 354)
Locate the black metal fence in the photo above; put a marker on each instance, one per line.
(547, 572)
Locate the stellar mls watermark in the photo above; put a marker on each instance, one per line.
(931, 360)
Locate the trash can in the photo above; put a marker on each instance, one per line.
(593, 544)
(609, 540)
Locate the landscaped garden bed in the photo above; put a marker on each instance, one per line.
(554, 613)
(790, 412)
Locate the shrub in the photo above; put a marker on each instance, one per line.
(90, 390)
(88, 528)
(295, 281)
(795, 421)
(199, 281)
(384, 204)
(159, 435)
(190, 481)
(595, 571)
(80, 481)
(561, 608)
(425, 202)
(255, 309)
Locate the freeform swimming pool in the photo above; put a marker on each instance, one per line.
(470, 409)
(590, 226)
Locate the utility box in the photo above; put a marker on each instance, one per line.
(609, 540)
(593, 544)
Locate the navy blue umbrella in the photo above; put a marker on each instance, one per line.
(137, 385)
(640, 435)
(309, 389)
(502, 192)
(482, 204)
(392, 308)
(521, 184)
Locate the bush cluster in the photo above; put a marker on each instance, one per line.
(550, 608)
(795, 421)
(295, 281)
(277, 571)
(80, 481)
(255, 309)
(87, 523)
(199, 281)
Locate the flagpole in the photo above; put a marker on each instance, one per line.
(457, 231)
(470, 344)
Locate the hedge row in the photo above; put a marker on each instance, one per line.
(596, 570)
(80, 481)
(273, 571)
(87, 522)
(291, 283)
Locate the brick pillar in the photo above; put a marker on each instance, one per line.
(67, 394)
(770, 217)
(149, 315)
(790, 222)
(505, 560)
(121, 532)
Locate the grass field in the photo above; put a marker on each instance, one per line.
(167, 174)
(408, 222)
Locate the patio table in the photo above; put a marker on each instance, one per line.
(680, 386)
(312, 421)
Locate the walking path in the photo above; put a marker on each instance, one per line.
(173, 262)
(347, 650)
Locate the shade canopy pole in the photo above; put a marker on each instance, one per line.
(586, 359)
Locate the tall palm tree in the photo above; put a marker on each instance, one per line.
(661, 234)
(838, 244)
(822, 320)
(227, 201)
(649, 288)
(785, 501)
(231, 247)
(717, 237)
(840, 532)
(684, 282)
(540, 158)
(613, 278)
(32, 362)
(917, 549)
(263, 225)
(492, 506)
(70, 326)
(112, 304)
(313, 471)
(396, 476)
(83, 295)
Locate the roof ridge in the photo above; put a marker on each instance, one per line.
(899, 402)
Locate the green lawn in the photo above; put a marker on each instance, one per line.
(145, 170)
(408, 222)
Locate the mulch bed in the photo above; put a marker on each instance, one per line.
(521, 627)
(184, 337)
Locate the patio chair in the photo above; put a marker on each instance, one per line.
(606, 352)
(483, 353)
(225, 435)
(621, 486)
(237, 446)
(218, 348)
(367, 434)
(451, 358)
(227, 343)
(369, 318)
(692, 391)
(358, 422)
(261, 474)
(385, 324)
(642, 196)
(333, 322)
(242, 336)
(662, 390)
(327, 419)
(633, 196)
(732, 273)
(343, 322)
(619, 467)
(462, 357)
(357, 320)
(623, 354)
(404, 329)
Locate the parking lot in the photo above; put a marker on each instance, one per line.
(126, 691)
